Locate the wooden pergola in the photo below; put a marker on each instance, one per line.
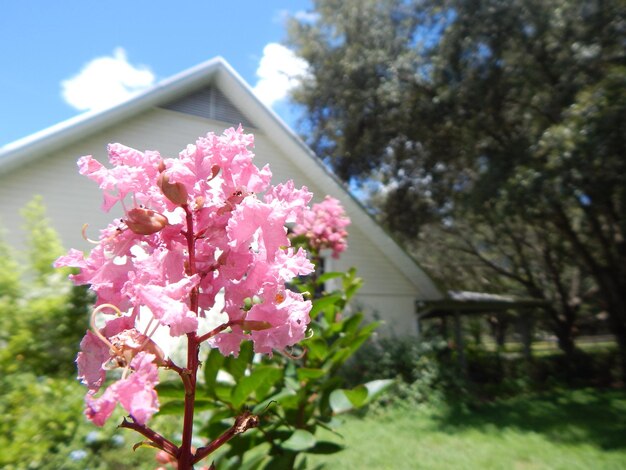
(458, 304)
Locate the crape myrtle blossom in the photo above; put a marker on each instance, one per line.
(206, 223)
(324, 227)
(134, 392)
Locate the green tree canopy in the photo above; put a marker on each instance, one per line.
(483, 117)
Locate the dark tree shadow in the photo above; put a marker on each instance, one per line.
(570, 417)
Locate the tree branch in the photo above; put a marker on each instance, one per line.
(243, 422)
(154, 437)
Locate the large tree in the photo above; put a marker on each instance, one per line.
(455, 106)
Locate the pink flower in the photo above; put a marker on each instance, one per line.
(93, 356)
(168, 303)
(324, 226)
(288, 316)
(95, 353)
(98, 410)
(135, 393)
(193, 227)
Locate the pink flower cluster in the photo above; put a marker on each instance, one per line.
(324, 226)
(203, 224)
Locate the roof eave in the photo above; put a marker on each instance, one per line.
(48, 140)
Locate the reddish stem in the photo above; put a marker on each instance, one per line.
(214, 331)
(185, 455)
(158, 440)
(243, 422)
(171, 365)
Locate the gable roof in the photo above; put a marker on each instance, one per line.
(219, 74)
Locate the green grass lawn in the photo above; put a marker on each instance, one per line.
(582, 429)
(568, 430)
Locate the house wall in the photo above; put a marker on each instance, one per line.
(72, 200)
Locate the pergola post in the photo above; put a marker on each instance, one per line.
(526, 333)
(460, 344)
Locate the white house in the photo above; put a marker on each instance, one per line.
(209, 97)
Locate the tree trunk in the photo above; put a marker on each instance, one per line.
(614, 294)
(617, 313)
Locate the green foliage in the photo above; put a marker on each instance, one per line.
(499, 124)
(9, 290)
(42, 241)
(360, 54)
(9, 274)
(40, 418)
(43, 428)
(295, 396)
(423, 371)
(42, 315)
(45, 330)
(426, 372)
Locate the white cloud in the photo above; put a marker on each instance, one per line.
(105, 82)
(304, 16)
(278, 73)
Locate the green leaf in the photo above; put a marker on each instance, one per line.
(282, 461)
(342, 400)
(292, 402)
(261, 376)
(292, 383)
(237, 366)
(339, 402)
(357, 396)
(144, 444)
(212, 366)
(219, 415)
(172, 407)
(328, 276)
(305, 373)
(353, 288)
(255, 460)
(376, 387)
(317, 348)
(340, 356)
(357, 342)
(171, 389)
(369, 328)
(325, 448)
(299, 441)
(201, 405)
(278, 398)
(352, 323)
(351, 283)
(223, 392)
(326, 303)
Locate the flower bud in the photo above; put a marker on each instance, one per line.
(175, 192)
(215, 169)
(164, 458)
(145, 221)
(255, 325)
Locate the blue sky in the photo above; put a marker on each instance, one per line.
(62, 58)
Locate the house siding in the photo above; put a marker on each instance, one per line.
(72, 200)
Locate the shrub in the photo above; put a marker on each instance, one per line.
(422, 369)
(42, 316)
